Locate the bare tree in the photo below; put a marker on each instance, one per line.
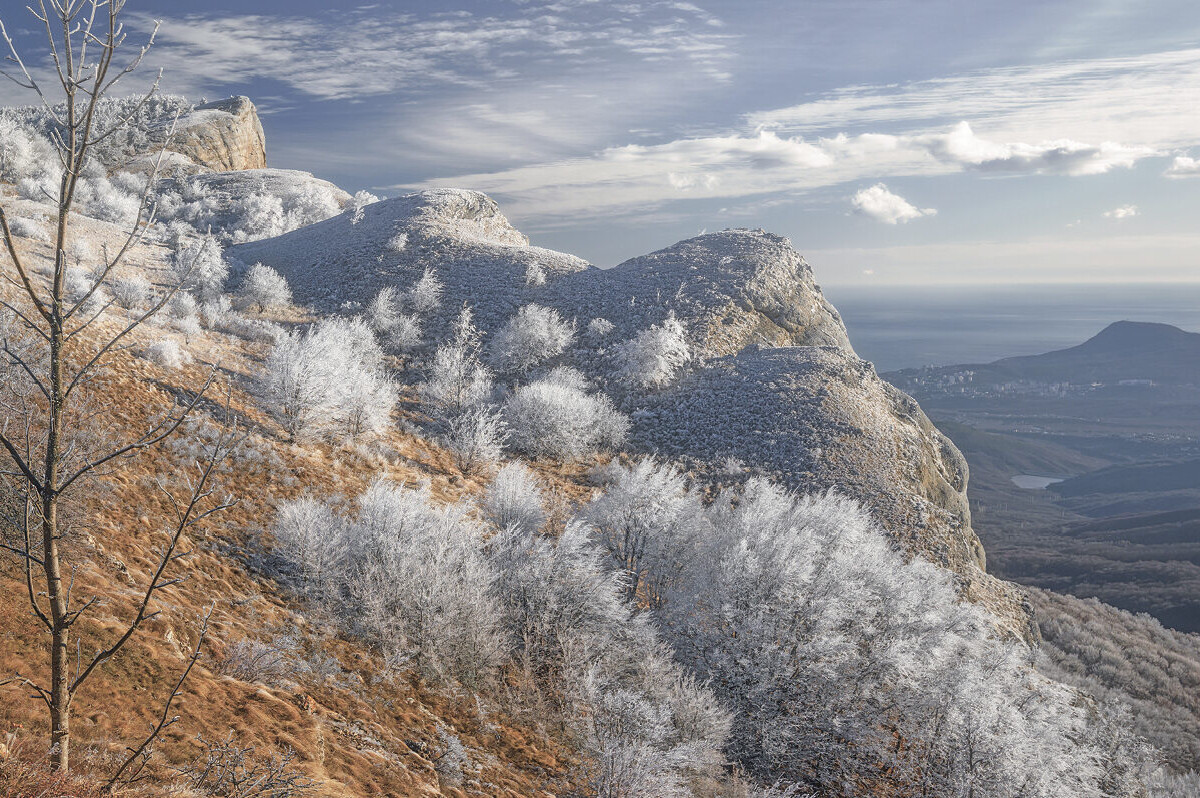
(54, 431)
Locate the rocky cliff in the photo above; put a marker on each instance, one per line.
(223, 136)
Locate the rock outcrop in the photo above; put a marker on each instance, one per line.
(482, 259)
(731, 289)
(224, 136)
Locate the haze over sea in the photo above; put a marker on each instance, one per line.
(899, 327)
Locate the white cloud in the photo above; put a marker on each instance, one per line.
(629, 179)
(1059, 156)
(1123, 212)
(884, 206)
(1183, 166)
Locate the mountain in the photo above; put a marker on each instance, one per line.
(1124, 351)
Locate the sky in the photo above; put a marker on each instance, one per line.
(893, 141)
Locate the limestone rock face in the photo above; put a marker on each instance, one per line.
(731, 289)
(224, 136)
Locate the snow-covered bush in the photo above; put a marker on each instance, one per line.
(457, 380)
(358, 205)
(829, 647)
(183, 306)
(556, 417)
(535, 274)
(398, 242)
(329, 382)
(168, 354)
(264, 288)
(598, 329)
(426, 293)
(131, 291)
(476, 437)
(653, 357)
(24, 227)
(404, 335)
(23, 154)
(413, 576)
(383, 313)
(200, 267)
(514, 499)
(532, 336)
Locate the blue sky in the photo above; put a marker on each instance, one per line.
(894, 141)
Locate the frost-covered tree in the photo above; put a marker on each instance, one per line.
(457, 379)
(383, 312)
(476, 437)
(598, 329)
(653, 357)
(328, 382)
(515, 499)
(201, 268)
(535, 274)
(413, 574)
(648, 516)
(849, 669)
(557, 417)
(425, 295)
(131, 291)
(532, 336)
(264, 288)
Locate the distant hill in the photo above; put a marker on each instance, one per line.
(1122, 351)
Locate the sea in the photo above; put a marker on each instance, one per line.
(898, 327)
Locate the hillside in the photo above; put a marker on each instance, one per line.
(498, 522)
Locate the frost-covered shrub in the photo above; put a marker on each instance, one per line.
(358, 205)
(426, 294)
(310, 534)
(214, 312)
(476, 437)
(405, 334)
(532, 336)
(200, 267)
(23, 154)
(110, 201)
(398, 242)
(188, 326)
(183, 306)
(414, 577)
(829, 647)
(653, 357)
(457, 380)
(131, 291)
(515, 500)
(535, 274)
(168, 354)
(598, 329)
(556, 417)
(329, 382)
(384, 310)
(264, 288)
(24, 227)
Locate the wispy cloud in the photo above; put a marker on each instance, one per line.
(367, 52)
(880, 204)
(1147, 99)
